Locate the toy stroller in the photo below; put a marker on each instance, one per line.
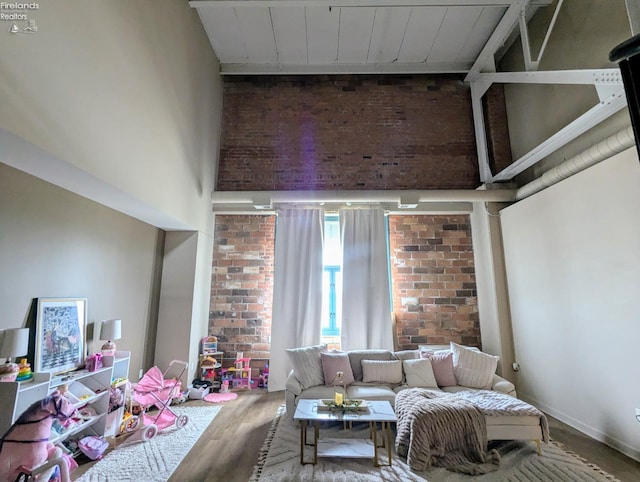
(154, 390)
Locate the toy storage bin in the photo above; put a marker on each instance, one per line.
(112, 425)
(78, 392)
(198, 393)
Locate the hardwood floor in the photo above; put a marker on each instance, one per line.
(228, 449)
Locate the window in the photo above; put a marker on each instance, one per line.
(331, 282)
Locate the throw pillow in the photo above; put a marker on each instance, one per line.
(473, 368)
(419, 373)
(356, 357)
(442, 365)
(382, 371)
(307, 365)
(333, 362)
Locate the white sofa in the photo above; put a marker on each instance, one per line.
(315, 387)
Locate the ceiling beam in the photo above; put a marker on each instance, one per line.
(251, 198)
(360, 3)
(575, 77)
(338, 69)
(498, 37)
(390, 208)
(478, 89)
(586, 121)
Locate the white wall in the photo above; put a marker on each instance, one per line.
(56, 244)
(120, 102)
(184, 299)
(572, 255)
(127, 93)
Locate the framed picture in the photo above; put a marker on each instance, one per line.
(59, 334)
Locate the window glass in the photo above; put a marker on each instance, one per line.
(331, 283)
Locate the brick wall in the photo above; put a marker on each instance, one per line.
(348, 132)
(353, 132)
(242, 286)
(433, 276)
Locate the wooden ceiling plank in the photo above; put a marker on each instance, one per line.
(449, 43)
(290, 33)
(389, 29)
(356, 25)
(323, 25)
(486, 24)
(257, 32)
(224, 34)
(420, 34)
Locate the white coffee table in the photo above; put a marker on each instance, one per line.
(378, 412)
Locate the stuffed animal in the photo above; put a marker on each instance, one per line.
(25, 446)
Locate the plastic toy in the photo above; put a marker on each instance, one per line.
(241, 373)
(224, 388)
(93, 446)
(209, 345)
(264, 377)
(154, 390)
(94, 362)
(24, 371)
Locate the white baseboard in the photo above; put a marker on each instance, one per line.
(586, 429)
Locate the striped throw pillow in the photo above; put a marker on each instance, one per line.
(473, 369)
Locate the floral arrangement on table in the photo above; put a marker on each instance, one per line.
(340, 401)
(343, 404)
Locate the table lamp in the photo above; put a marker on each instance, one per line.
(110, 330)
(14, 342)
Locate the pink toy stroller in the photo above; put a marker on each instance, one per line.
(154, 390)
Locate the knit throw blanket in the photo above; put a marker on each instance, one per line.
(444, 431)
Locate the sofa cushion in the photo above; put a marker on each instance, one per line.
(442, 365)
(419, 373)
(371, 392)
(333, 362)
(382, 371)
(356, 357)
(473, 368)
(307, 365)
(319, 392)
(406, 354)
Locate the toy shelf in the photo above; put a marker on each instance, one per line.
(84, 388)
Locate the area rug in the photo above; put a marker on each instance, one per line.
(220, 397)
(156, 459)
(280, 461)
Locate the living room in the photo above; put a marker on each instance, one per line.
(112, 125)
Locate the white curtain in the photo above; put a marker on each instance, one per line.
(366, 305)
(297, 288)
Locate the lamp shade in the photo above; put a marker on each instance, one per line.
(15, 342)
(111, 330)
